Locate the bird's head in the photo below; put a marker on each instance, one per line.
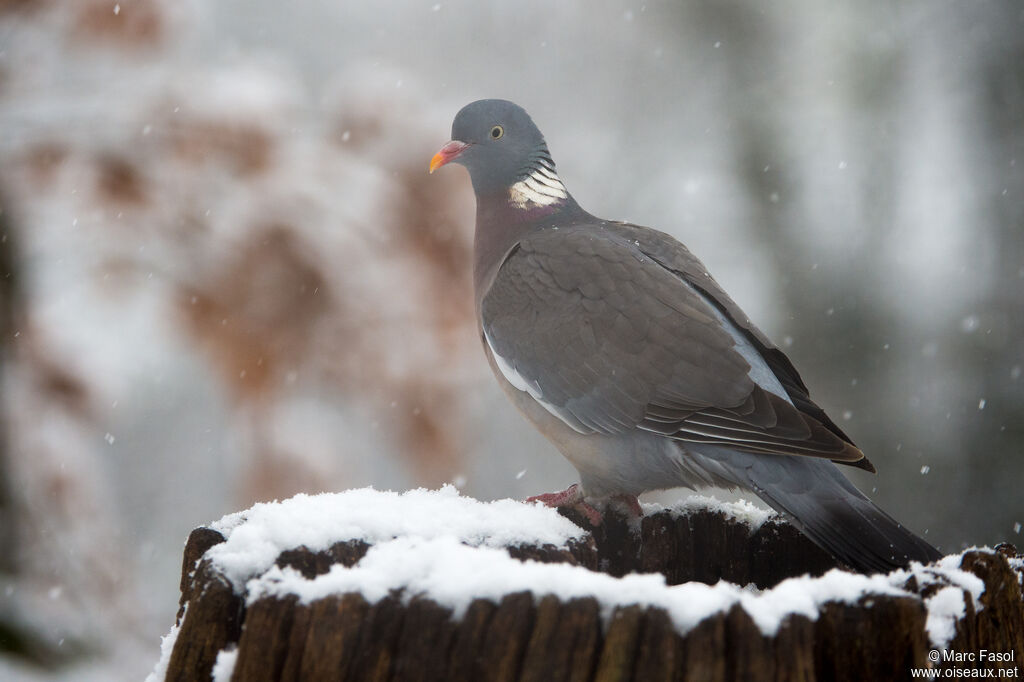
(504, 152)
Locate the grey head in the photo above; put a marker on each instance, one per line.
(505, 154)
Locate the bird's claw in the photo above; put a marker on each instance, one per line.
(573, 497)
(563, 498)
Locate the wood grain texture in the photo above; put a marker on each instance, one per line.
(529, 638)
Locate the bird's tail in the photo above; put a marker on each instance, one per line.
(826, 507)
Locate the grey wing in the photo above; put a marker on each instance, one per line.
(676, 258)
(609, 340)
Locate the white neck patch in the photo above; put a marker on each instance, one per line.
(541, 188)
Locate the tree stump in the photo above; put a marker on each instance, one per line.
(285, 621)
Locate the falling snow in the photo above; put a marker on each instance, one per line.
(330, 181)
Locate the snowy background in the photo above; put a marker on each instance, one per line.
(226, 277)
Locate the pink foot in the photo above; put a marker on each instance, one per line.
(564, 498)
(570, 497)
(632, 504)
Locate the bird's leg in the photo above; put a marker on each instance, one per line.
(570, 497)
(631, 503)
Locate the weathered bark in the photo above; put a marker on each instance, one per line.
(527, 637)
(210, 615)
(704, 547)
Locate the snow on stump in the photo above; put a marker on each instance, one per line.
(430, 585)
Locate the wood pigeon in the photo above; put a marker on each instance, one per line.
(620, 347)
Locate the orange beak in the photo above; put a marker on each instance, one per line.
(448, 153)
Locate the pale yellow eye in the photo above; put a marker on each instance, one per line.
(496, 132)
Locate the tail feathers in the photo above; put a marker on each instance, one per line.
(826, 507)
(854, 530)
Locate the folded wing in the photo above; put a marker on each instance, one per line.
(605, 330)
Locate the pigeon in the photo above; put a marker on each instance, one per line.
(617, 344)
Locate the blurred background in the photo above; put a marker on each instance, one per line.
(225, 275)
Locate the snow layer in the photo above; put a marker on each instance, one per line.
(224, 667)
(945, 608)
(450, 548)
(947, 605)
(741, 510)
(454, 575)
(166, 648)
(256, 536)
